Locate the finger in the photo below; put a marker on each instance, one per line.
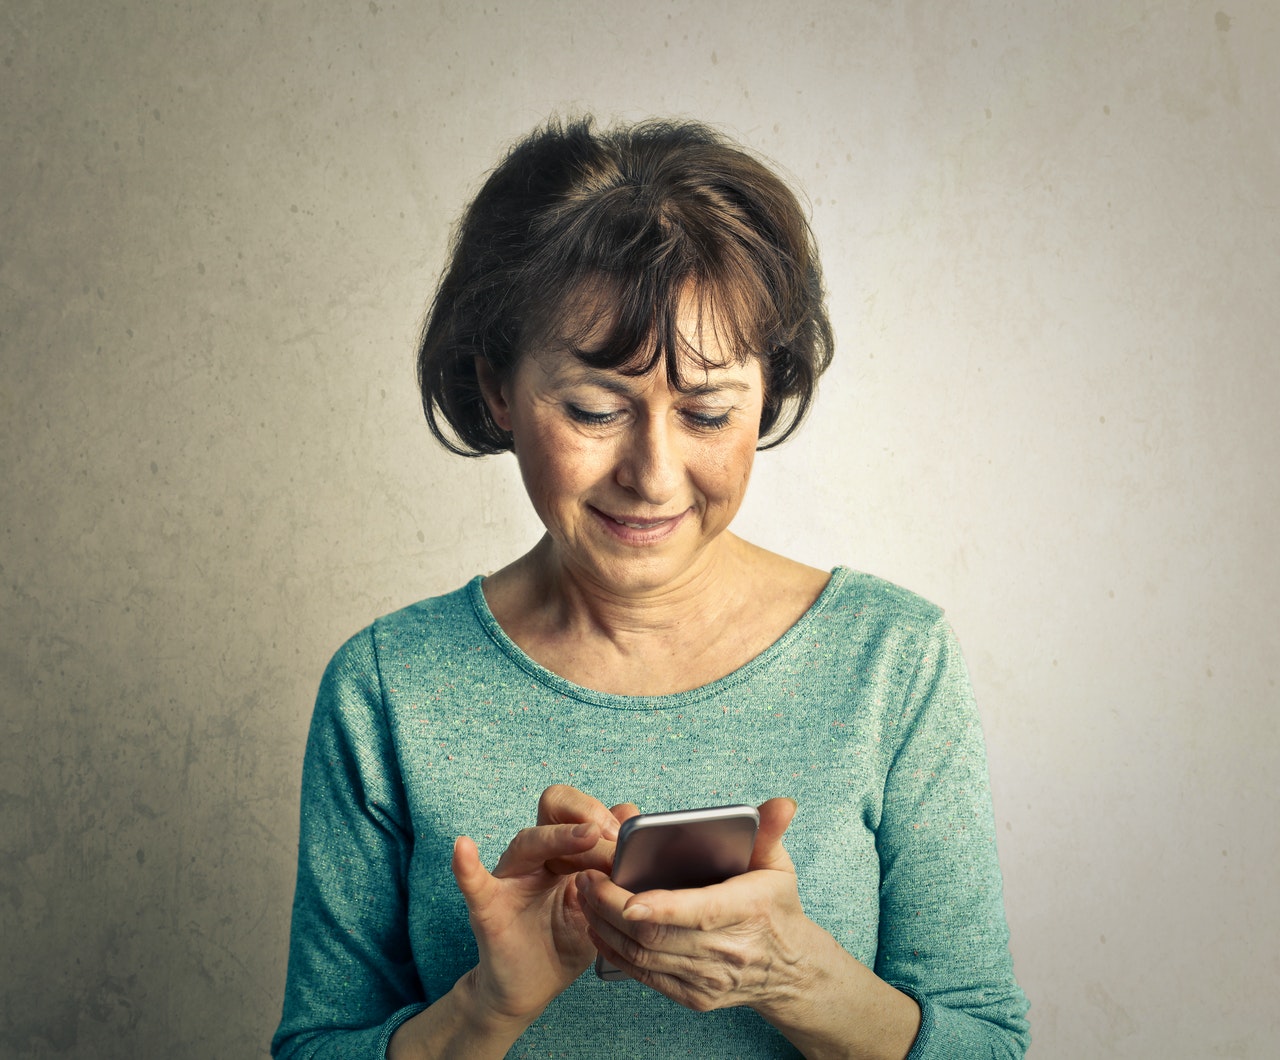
(637, 960)
(667, 959)
(602, 895)
(535, 849)
(599, 856)
(473, 879)
(603, 903)
(608, 954)
(562, 804)
(624, 811)
(612, 911)
(737, 901)
(694, 909)
(769, 853)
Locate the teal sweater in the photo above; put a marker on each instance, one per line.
(432, 723)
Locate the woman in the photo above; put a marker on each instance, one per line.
(633, 313)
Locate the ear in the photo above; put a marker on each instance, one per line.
(494, 393)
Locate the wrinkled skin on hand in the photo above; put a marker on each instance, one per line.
(740, 942)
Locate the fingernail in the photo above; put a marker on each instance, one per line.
(582, 830)
(636, 912)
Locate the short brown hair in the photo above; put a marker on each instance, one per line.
(642, 215)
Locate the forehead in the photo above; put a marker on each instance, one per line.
(562, 368)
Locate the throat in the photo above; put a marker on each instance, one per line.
(639, 666)
(676, 639)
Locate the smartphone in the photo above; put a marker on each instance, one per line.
(683, 848)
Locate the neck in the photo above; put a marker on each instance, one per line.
(725, 610)
(574, 599)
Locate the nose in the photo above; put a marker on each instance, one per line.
(650, 464)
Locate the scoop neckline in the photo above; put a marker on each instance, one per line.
(616, 701)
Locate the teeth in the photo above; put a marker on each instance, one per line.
(639, 526)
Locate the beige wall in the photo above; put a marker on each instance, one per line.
(1052, 234)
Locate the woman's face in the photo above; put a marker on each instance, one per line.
(633, 479)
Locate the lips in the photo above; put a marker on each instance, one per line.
(640, 524)
(639, 528)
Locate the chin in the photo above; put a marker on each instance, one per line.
(639, 576)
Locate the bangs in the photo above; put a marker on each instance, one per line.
(688, 327)
(626, 289)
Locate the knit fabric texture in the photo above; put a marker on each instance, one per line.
(432, 723)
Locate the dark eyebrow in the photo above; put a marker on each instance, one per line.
(605, 381)
(609, 381)
(741, 385)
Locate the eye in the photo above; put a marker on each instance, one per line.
(590, 418)
(708, 421)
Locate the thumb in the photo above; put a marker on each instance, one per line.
(474, 880)
(768, 852)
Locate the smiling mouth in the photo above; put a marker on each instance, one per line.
(640, 524)
(645, 524)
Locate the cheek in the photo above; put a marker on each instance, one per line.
(726, 469)
(557, 465)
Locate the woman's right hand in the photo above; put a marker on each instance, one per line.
(529, 927)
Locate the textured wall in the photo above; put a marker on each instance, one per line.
(1052, 234)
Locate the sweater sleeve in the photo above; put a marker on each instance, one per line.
(943, 935)
(351, 979)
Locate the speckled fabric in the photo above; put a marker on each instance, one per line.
(431, 723)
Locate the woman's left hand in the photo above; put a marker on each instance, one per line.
(741, 942)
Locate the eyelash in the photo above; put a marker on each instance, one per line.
(707, 422)
(591, 419)
(703, 422)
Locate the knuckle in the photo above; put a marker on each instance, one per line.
(634, 953)
(736, 963)
(547, 799)
(700, 1002)
(708, 917)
